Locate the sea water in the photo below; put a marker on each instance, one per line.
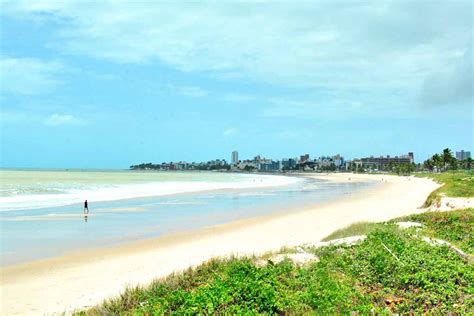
(41, 211)
(22, 189)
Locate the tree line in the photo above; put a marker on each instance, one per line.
(446, 161)
(439, 162)
(172, 166)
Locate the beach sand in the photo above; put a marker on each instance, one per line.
(82, 279)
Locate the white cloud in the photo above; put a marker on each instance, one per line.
(230, 132)
(351, 46)
(187, 91)
(191, 91)
(8, 116)
(27, 118)
(450, 86)
(29, 75)
(62, 119)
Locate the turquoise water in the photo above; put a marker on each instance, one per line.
(40, 231)
(31, 189)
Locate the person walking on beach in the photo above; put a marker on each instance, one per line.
(86, 207)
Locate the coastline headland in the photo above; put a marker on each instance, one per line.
(83, 279)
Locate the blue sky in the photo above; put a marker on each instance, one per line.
(114, 83)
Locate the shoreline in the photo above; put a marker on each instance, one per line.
(85, 278)
(220, 207)
(217, 186)
(179, 235)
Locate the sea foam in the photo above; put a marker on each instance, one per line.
(71, 194)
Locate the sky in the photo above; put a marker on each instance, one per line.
(108, 84)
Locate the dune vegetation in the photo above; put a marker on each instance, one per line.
(391, 271)
(455, 184)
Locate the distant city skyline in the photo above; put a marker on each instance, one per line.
(116, 83)
(234, 158)
(323, 163)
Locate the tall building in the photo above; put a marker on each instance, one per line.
(288, 163)
(269, 166)
(304, 158)
(463, 155)
(338, 161)
(235, 157)
(384, 161)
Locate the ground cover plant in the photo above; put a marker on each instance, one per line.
(455, 184)
(456, 226)
(391, 271)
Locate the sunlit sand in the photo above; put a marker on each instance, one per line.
(98, 274)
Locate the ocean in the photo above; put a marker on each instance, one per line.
(41, 211)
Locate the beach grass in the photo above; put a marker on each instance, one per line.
(391, 271)
(455, 184)
(361, 228)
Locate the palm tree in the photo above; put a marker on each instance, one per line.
(453, 164)
(429, 164)
(438, 162)
(447, 157)
(467, 163)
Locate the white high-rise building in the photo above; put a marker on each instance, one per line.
(463, 155)
(235, 157)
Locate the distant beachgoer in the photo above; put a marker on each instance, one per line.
(86, 207)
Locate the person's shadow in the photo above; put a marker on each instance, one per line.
(85, 218)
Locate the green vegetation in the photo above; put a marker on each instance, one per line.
(362, 228)
(182, 166)
(237, 286)
(249, 168)
(456, 227)
(455, 184)
(401, 168)
(392, 271)
(446, 161)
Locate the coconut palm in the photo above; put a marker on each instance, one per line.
(466, 163)
(429, 164)
(448, 157)
(438, 162)
(469, 163)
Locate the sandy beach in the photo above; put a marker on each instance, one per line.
(83, 279)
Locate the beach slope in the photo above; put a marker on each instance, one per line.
(83, 279)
